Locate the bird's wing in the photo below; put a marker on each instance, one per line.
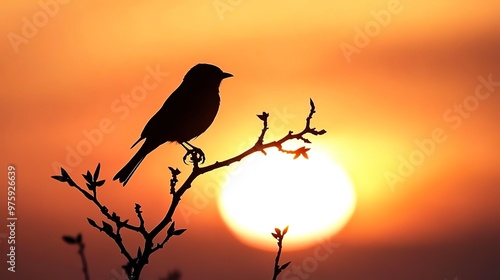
(139, 140)
(168, 118)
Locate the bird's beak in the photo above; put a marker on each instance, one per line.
(226, 75)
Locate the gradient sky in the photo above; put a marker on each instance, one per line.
(60, 81)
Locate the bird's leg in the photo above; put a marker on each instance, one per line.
(195, 152)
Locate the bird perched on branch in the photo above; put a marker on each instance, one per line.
(186, 114)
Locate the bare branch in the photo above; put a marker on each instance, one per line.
(258, 146)
(134, 266)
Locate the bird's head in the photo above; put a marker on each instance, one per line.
(206, 74)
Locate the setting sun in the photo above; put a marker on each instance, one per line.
(313, 196)
(404, 185)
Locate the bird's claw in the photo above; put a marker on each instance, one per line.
(194, 154)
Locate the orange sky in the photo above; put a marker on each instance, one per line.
(72, 72)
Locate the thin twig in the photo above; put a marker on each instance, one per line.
(78, 240)
(279, 235)
(81, 252)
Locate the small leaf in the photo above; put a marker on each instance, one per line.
(302, 151)
(59, 178)
(92, 222)
(96, 173)
(88, 176)
(278, 231)
(179, 231)
(285, 230)
(285, 265)
(306, 140)
(66, 177)
(64, 173)
(107, 227)
(304, 154)
(174, 172)
(321, 132)
(99, 183)
(263, 116)
(69, 239)
(274, 235)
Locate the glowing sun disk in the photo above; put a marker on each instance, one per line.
(313, 196)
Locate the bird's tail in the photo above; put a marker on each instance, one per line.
(128, 170)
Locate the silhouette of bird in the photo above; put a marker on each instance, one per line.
(186, 114)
